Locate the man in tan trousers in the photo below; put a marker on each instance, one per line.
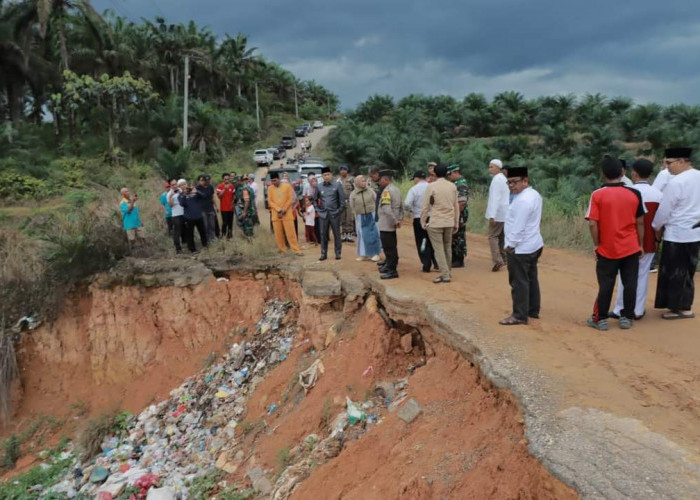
(496, 211)
(440, 218)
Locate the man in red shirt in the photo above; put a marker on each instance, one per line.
(225, 192)
(641, 171)
(616, 220)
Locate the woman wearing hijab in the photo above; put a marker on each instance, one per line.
(362, 201)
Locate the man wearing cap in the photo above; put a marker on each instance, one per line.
(651, 197)
(347, 219)
(616, 221)
(496, 210)
(523, 246)
(244, 206)
(676, 221)
(414, 204)
(329, 203)
(440, 218)
(390, 215)
(459, 240)
(280, 199)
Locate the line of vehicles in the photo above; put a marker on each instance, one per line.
(265, 157)
(299, 166)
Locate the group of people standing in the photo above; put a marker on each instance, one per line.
(189, 207)
(629, 221)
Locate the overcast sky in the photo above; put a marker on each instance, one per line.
(645, 49)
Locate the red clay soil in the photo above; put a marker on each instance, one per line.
(122, 349)
(467, 443)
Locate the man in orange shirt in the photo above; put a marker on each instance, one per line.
(280, 199)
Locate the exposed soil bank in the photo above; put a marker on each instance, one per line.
(126, 346)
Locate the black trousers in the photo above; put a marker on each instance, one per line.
(675, 289)
(606, 271)
(178, 223)
(227, 224)
(391, 251)
(428, 256)
(524, 284)
(189, 233)
(170, 224)
(326, 224)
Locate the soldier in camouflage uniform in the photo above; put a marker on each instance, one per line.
(244, 206)
(459, 240)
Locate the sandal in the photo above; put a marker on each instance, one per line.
(677, 315)
(510, 320)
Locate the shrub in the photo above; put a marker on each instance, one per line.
(10, 452)
(173, 165)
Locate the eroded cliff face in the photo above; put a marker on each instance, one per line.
(119, 344)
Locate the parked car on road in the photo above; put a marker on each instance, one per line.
(301, 131)
(309, 128)
(318, 124)
(289, 141)
(294, 179)
(263, 157)
(279, 152)
(310, 168)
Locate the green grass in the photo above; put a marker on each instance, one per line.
(46, 475)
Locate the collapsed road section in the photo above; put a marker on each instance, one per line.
(322, 395)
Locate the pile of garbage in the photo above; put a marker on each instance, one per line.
(172, 443)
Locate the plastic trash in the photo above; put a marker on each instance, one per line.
(308, 377)
(271, 409)
(355, 413)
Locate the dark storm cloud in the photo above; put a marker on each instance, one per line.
(645, 49)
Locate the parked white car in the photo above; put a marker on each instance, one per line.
(263, 157)
(318, 124)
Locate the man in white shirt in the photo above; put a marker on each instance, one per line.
(675, 219)
(662, 179)
(414, 204)
(523, 246)
(253, 184)
(651, 197)
(496, 209)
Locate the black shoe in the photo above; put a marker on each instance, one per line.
(383, 270)
(322, 257)
(389, 275)
(534, 316)
(613, 315)
(381, 263)
(337, 257)
(424, 270)
(458, 264)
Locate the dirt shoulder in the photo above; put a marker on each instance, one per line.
(615, 413)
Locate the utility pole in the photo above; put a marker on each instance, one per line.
(257, 105)
(296, 105)
(187, 90)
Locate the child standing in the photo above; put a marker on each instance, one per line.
(310, 221)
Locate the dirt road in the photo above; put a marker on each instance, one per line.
(650, 373)
(315, 137)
